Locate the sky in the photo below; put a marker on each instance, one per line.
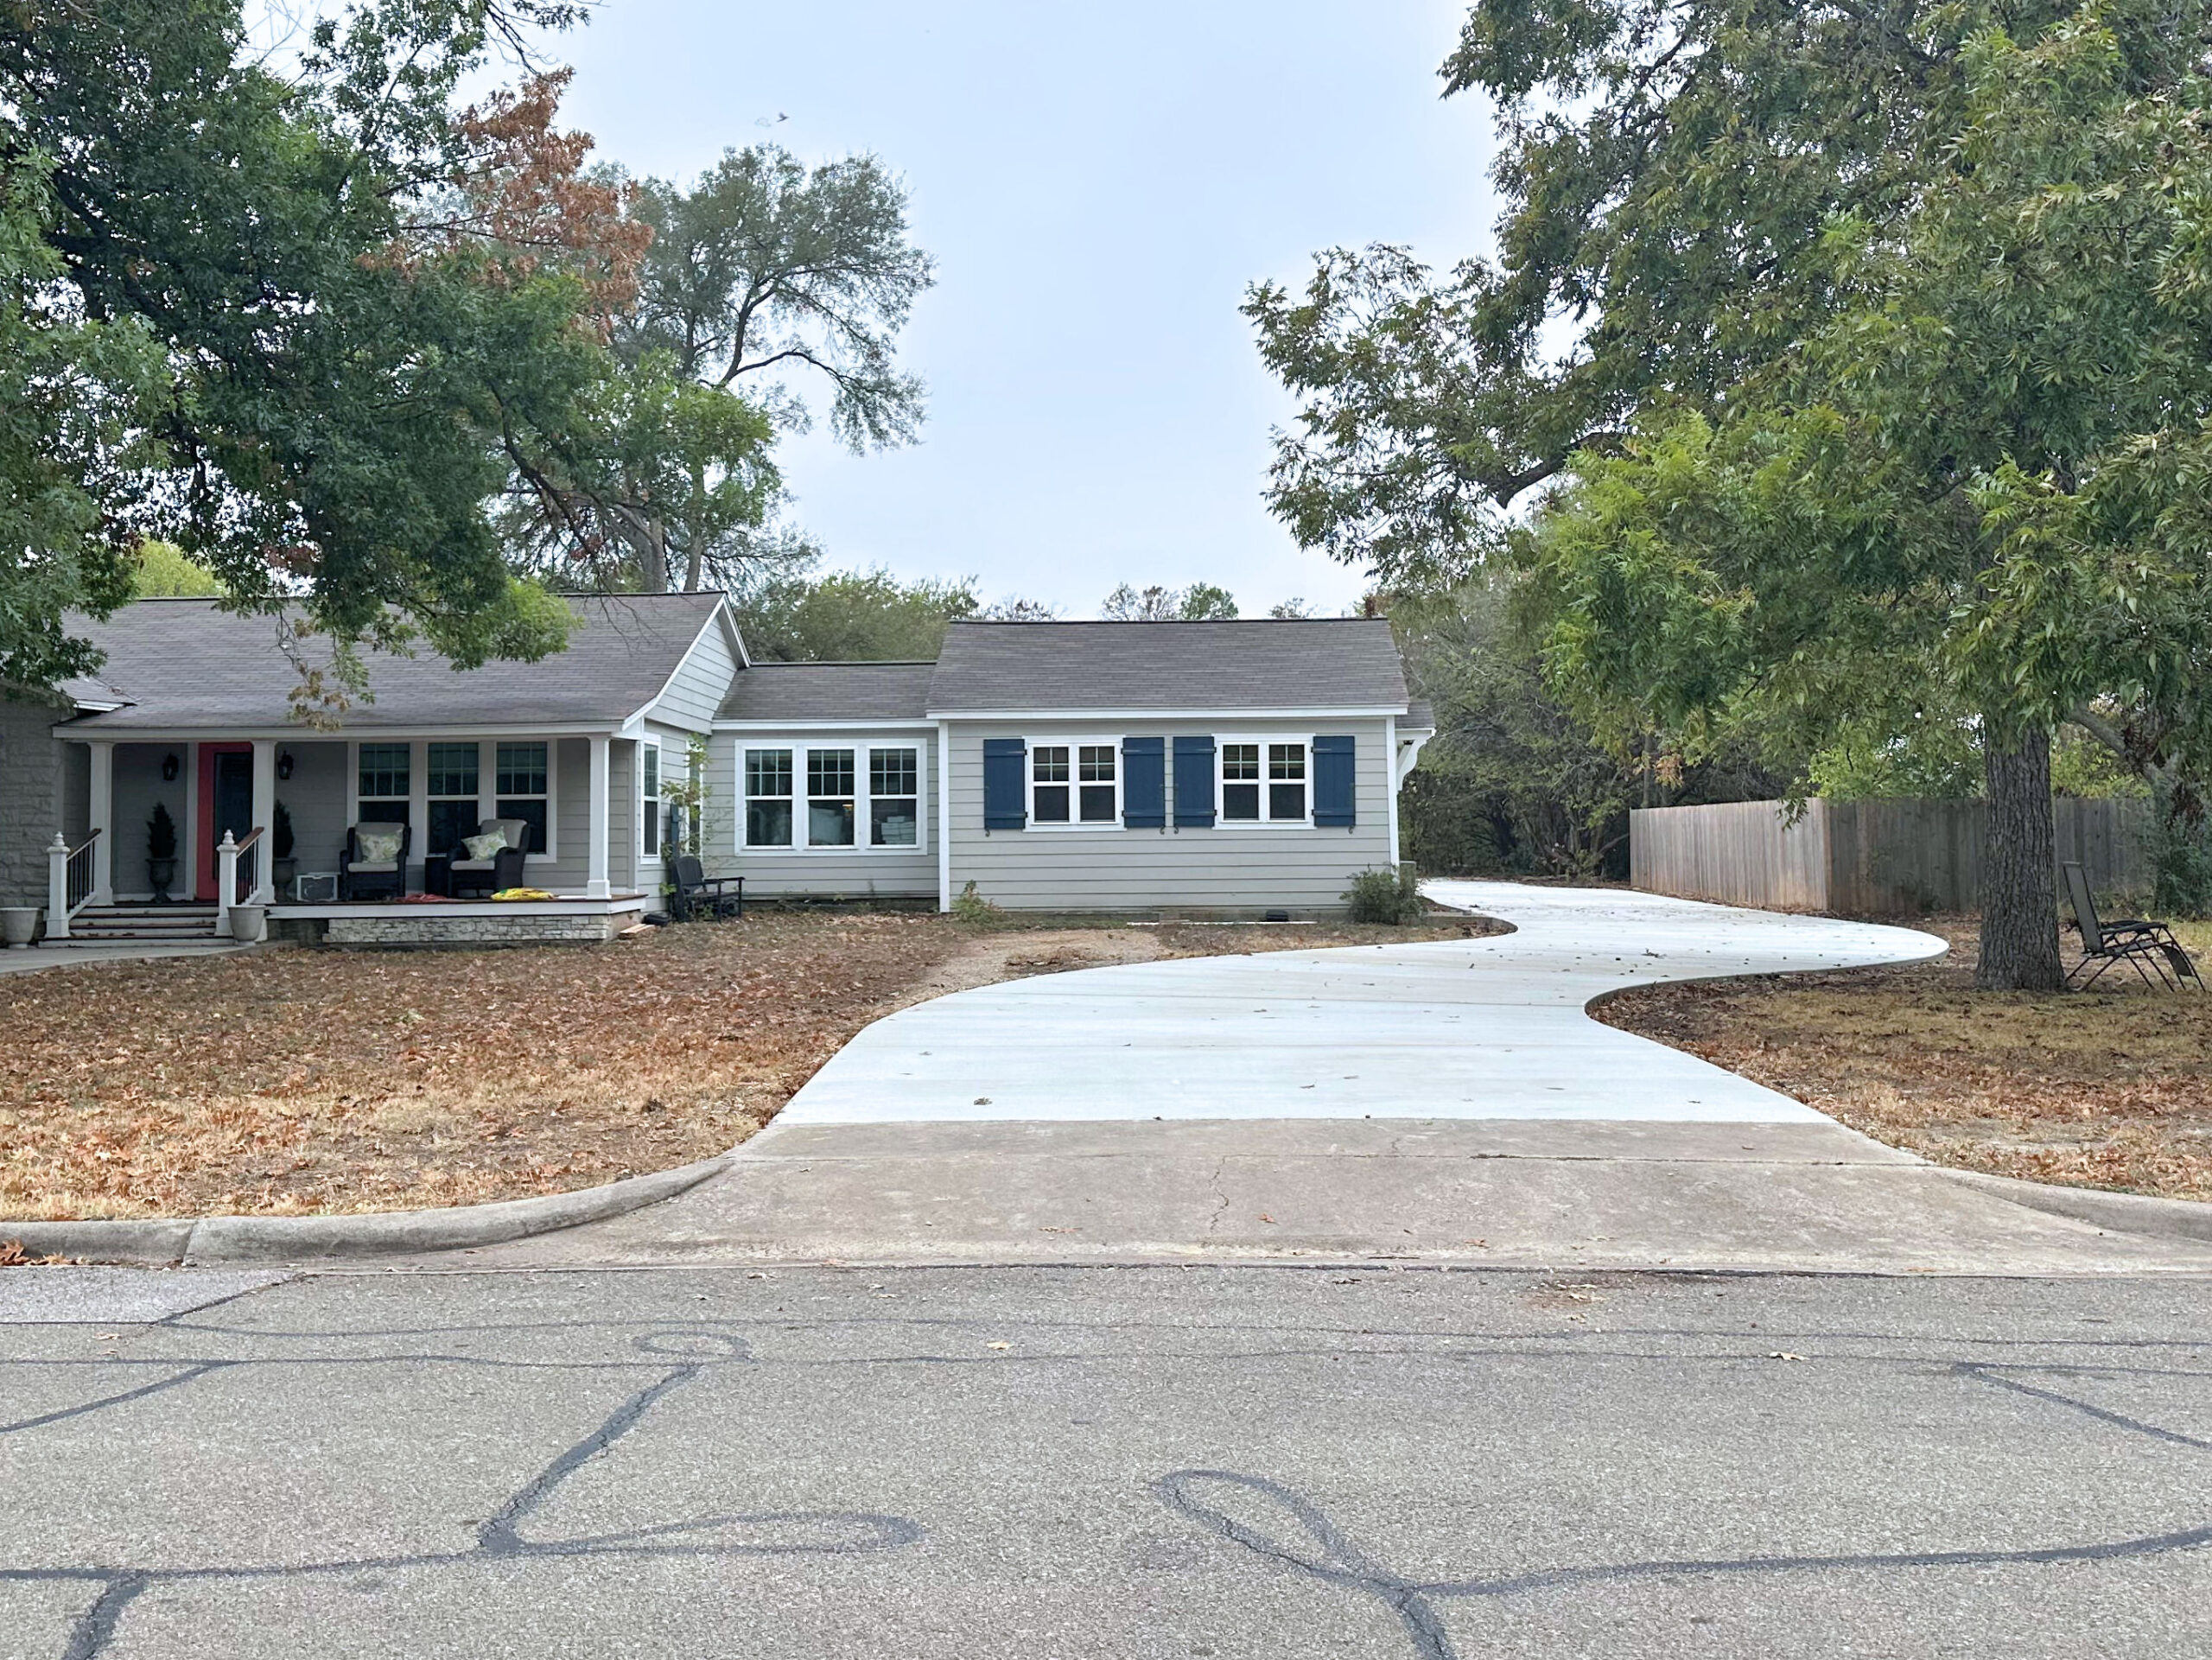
(1098, 186)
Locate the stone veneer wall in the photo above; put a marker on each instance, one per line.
(590, 929)
(29, 774)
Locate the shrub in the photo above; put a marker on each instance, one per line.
(1391, 896)
(971, 907)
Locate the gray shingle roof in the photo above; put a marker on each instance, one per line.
(829, 692)
(186, 664)
(1419, 715)
(1338, 663)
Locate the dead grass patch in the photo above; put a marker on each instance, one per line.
(304, 1081)
(2110, 1088)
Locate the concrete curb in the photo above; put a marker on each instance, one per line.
(2163, 1218)
(300, 1238)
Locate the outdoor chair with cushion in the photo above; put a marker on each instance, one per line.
(2132, 941)
(699, 895)
(375, 866)
(478, 867)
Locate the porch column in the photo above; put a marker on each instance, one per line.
(264, 814)
(102, 818)
(595, 885)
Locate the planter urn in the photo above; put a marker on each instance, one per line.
(160, 873)
(247, 922)
(18, 923)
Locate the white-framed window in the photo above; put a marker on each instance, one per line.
(894, 796)
(649, 827)
(832, 798)
(1266, 780)
(383, 782)
(767, 797)
(839, 795)
(455, 801)
(522, 777)
(1075, 784)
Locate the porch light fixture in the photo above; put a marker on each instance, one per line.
(168, 768)
(284, 763)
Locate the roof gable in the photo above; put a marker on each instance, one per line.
(1334, 663)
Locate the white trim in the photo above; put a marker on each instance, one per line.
(658, 855)
(944, 818)
(1075, 745)
(1397, 777)
(1038, 715)
(862, 742)
(528, 731)
(190, 839)
(1221, 781)
(596, 885)
(744, 727)
(100, 815)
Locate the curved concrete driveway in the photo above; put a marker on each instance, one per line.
(1443, 1102)
(1479, 1028)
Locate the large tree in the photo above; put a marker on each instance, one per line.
(1719, 208)
(339, 371)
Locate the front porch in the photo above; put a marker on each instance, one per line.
(264, 820)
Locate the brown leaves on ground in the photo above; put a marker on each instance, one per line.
(297, 1081)
(2109, 1088)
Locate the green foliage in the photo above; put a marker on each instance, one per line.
(161, 833)
(235, 320)
(1386, 896)
(1936, 760)
(2180, 848)
(164, 572)
(1512, 783)
(1199, 602)
(850, 617)
(971, 907)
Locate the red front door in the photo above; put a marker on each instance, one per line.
(226, 804)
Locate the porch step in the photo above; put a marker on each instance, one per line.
(102, 924)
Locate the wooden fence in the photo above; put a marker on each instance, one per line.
(1865, 858)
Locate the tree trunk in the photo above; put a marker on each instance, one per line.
(653, 558)
(2019, 904)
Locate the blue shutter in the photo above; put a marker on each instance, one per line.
(1144, 782)
(1333, 782)
(1002, 763)
(1194, 783)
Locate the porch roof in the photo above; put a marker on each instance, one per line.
(189, 666)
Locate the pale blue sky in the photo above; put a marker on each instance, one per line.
(1098, 184)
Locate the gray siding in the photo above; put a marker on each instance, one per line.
(31, 808)
(315, 797)
(696, 690)
(858, 873)
(1226, 869)
(138, 786)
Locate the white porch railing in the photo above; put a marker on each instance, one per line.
(236, 874)
(71, 881)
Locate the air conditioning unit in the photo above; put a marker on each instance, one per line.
(319, 888)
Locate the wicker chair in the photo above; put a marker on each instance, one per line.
(502, 870)
(365, 879)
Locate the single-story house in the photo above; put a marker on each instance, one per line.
(1203, 768)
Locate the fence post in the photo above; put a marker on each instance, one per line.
(226, 882)
(57, 888)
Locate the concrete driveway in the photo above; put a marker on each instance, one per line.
(1444, 1101)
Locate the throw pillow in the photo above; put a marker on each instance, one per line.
(484, 846)
(379, 847)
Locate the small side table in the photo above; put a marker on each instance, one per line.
(437, 875)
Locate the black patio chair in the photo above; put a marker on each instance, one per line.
(2131, 940)
(697, 894)
(471, 877)
(380, 879)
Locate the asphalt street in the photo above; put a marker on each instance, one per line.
(1219, 1461)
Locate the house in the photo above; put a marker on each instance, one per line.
(1190, 768)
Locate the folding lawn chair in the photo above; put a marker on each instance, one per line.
(2132, 941)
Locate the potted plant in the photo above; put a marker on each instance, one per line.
(161, 852)
(284, 867)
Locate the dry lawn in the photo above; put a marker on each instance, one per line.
(297, 1081)
(2111, 1088)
